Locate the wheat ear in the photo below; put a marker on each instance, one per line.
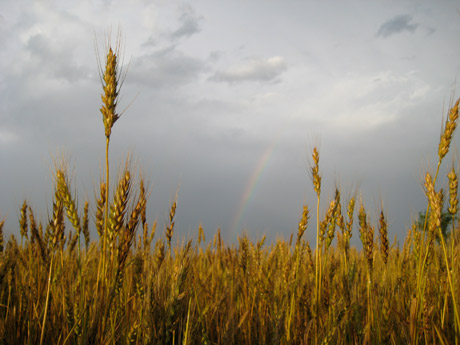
(303, 224)
(85, 225)
(1, 235)
(23, 221)
(57, 223)
(453, 192)
(170, 227)
(118, 209)
(383, 231)
(449, 128)
(67, 200)
(100, 210)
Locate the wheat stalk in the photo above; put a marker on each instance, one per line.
(111, 84)
(316, 177)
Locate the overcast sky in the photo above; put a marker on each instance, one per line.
(229, 100)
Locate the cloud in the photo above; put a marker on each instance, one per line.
(165, 68)
(56, 59)
(7, 137)
(261, 70)
(190, 23)
(396, 25)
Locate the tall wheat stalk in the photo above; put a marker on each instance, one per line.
(316, 177)
(111, 84)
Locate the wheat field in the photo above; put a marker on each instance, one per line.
(130, 285)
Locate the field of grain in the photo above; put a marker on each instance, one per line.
(131, 286)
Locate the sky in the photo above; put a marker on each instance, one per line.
(223, 103)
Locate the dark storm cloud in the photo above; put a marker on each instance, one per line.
(396, 25)
(261, 70)
(208, 136)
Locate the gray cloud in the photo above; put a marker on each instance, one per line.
(262, 70)
(55, 60)
(7, 137)
(190, 23)
(396, 25)
(366, 106)
(165, 68)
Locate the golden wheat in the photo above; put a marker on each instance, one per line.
(244, 293)
(384, 244)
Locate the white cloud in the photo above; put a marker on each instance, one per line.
(358, 103)
(261, 70)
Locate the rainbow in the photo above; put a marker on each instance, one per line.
(251, 186)
(256, 174)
